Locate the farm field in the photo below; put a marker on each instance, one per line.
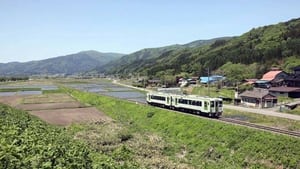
(53, 106)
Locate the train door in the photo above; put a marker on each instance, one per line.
(217, 106)
(212, 106)
(168, 100)
(205, 106)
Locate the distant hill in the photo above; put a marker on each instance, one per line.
(127, 63)
(69, 64)
(266, 46)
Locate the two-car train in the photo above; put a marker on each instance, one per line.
(211, 107)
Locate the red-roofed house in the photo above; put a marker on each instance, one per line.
(275, 77)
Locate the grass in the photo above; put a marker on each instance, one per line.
(53, 91)
(189, 141)
(294, 111)
(212, 91)
(263, 119)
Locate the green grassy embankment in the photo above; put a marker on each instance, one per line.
(27, 142)
(187, 140)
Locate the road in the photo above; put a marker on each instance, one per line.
(264, 112)
(240, 108)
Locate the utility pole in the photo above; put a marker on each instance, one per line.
(208, 81)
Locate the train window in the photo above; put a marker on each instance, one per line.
(158, 98)
(185, 101)
(220, 104)
(198, 103)
(212, 104)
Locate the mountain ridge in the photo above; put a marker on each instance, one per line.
(67, 64)
(150, 53)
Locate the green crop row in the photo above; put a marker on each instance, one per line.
(19, 89)
(198, 142)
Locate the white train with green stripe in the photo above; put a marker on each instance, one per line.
(211, 107)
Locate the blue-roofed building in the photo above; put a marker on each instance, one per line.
(211, 79)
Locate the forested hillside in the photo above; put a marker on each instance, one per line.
(141, 58)
(260, 48)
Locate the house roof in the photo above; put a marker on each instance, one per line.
(250, 81)
(204, 79)
(271, 75)
(256, 93)
(284, 89)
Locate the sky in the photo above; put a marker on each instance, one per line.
(40, 29)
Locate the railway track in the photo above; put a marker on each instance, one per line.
(238, 122)
(261, 127)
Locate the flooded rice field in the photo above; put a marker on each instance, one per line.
(12, 90)
(42, 87)
(113, 90)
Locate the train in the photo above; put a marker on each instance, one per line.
(207, 106)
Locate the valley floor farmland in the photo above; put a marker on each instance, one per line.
(140, 136)
(55, 108)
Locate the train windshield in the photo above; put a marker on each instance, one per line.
(219, 103)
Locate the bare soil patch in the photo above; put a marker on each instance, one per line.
(58, 109)
(11, 100)
(48, 98)
(50, 106)
(66, 117)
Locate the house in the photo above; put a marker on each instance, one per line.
(153, 82)
(296, 70)
(192, 80)
(249, 81)
(211, 79)
(275, 77)
(293, 92)
(294, 79)
(258, 98)
(262, 84)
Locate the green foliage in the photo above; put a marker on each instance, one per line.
(291, 62)
(135, 62)
(27, 142)
(21, 78)
(199, 142)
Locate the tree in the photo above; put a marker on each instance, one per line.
(235, 73)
